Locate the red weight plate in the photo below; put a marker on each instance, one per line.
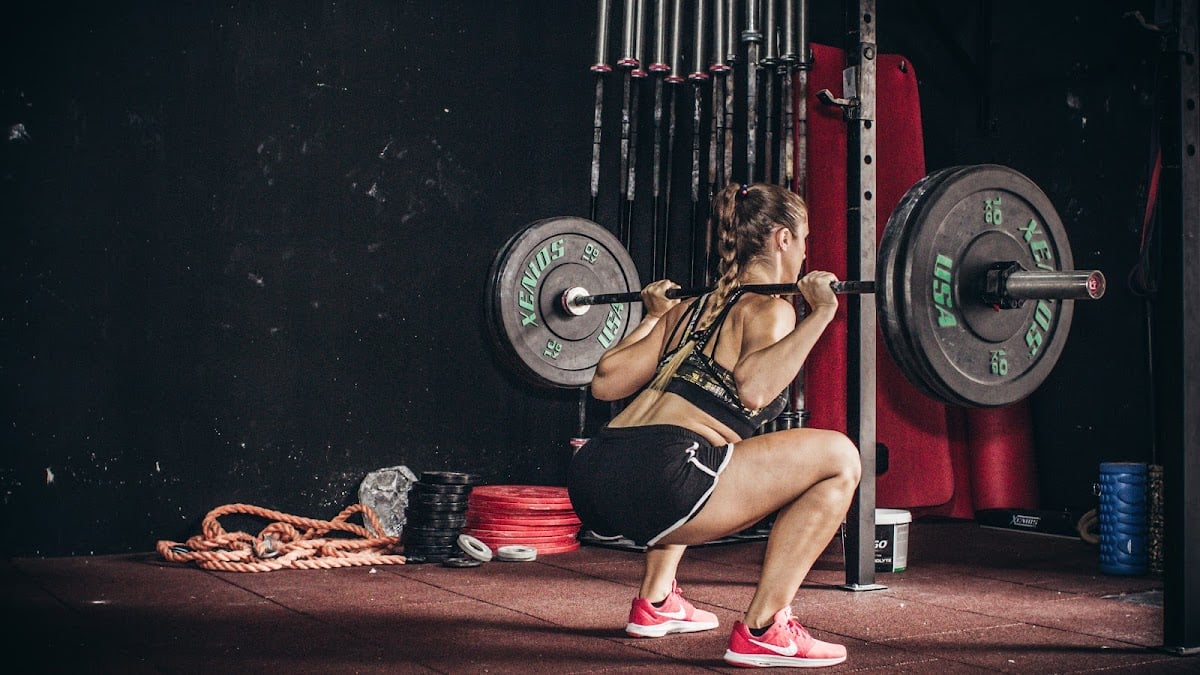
(523, 493)
(550, 520)
(485, 533)
(491, 538)
(509, 509)
(493, 532)
(565, 520)
(520, 512)
(547, 549)
(564, 530)
(543, 549)
(556, 543)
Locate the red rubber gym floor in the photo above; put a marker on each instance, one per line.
(973, 600)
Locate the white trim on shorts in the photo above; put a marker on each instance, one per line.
(699, 502)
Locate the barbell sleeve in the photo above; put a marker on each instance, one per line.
(1066, 285)
(629, 27)
(602, 12)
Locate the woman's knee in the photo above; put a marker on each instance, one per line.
(835, 454)
(844, 459)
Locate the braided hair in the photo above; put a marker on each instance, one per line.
(743, 217)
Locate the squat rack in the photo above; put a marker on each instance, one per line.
(1176, 318)
(1176, 322)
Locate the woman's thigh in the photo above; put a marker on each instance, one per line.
(766, 473)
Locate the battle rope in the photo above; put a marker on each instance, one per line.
(281, 545)
(1089, 527)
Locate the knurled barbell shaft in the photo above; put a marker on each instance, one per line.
(675, 293)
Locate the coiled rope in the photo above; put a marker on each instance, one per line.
(1089, 527)
(282, 545)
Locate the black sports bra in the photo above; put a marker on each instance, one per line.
(708, 385)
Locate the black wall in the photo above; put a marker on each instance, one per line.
(245, 247)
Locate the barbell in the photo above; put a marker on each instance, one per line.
(1006, 285)
(974, 286)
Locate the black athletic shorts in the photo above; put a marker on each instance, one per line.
(643, 482)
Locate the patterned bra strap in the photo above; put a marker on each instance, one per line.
(719, 321)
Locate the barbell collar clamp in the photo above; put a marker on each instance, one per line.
(574, 301)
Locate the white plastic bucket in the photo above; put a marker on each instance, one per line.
(891, 539)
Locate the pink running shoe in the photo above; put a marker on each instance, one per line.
(675, 616)
(786, 643)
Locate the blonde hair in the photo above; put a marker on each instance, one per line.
(743, 218)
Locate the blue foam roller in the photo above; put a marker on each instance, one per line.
(1123, 518)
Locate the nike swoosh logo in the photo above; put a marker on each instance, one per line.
(681, 614)
(789, 650)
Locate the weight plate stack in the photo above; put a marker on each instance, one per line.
(436, 514)
(934, 255)
(535, 335)
(537, 517)
(891, 283)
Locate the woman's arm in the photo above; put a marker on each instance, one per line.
(631, 363)
(774, 346)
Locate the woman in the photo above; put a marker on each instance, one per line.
(681, 464)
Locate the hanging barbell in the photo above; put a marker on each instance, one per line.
(974, 293)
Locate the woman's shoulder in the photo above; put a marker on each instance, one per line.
(757, 304)
(681, 309)
(766, 311)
